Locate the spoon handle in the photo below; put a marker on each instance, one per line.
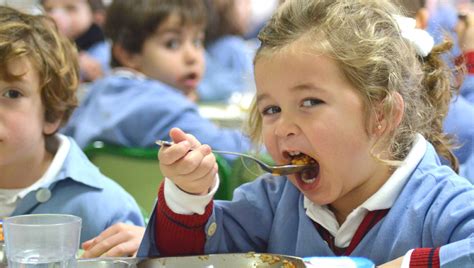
(169, 143)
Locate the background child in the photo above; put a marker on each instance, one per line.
(458, 121)
(229, 56)
(41, 171)
(159, 60)
(363, 93)
(76, 19)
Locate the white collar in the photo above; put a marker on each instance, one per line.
(129, 73)
(63, 149)
(382, 199)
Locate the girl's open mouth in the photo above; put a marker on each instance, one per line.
(307, 176)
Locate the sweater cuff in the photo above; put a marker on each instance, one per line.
(425, 257)
(177, 234)
(181, 202)
(186, 220)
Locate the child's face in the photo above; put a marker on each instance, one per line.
(308, 106)
(173, 55)
(22, 117)
(242, 11)
(73, 17)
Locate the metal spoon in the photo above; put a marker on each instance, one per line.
(275, 170)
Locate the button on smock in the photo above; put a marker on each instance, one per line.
(211, 230)
(43, 195)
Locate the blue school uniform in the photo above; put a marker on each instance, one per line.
(467, 88)
(459, 122)
(232, 52)
(466, 169)
(80, 189)
(94, 43)
(442, 21)
(129, 110)
(229, 69)
(101, 52)
(434, 209)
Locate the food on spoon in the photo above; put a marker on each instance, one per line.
(302, 159)
(308, 175)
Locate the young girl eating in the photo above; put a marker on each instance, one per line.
(353, 85)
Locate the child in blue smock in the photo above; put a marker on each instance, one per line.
(458, 122)
(42, 171)
(229, 57)
(76, 20)
(347, 85)
(158, 60)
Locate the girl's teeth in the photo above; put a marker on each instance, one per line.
(308, 176)
(294, 153)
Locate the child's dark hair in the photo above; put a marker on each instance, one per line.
(96, 5)
(221, 19)
(364, 39)
(53, 56)
(130, 23)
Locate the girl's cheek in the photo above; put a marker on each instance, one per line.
(268, 141)
(272, 149)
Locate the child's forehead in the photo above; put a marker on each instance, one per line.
(177, 22)
(302, 46)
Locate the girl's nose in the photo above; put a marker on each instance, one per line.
(286, 127)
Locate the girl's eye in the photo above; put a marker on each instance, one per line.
(12, 94)
(311, 102)
(271, 110)
(172, 44)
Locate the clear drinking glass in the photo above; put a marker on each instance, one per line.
(42, 240)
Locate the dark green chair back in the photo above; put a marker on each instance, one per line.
(137, 170)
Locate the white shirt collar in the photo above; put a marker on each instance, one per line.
(10, 197)
(54, 167)
(382, 199)
(129, 73)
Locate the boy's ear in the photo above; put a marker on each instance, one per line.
(125, 58)
(50, 128)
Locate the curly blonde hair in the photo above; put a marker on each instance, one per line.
(362, 37)
(52, 55)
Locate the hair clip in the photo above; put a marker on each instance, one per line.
(420, 39)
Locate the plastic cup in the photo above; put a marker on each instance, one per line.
(42, 240)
